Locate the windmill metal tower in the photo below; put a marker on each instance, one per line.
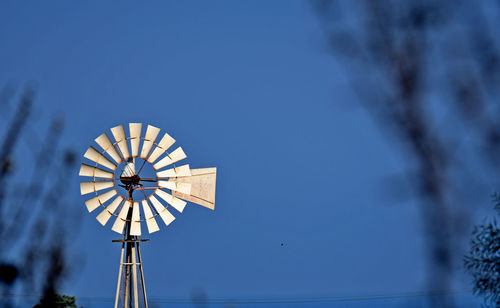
(121, 191)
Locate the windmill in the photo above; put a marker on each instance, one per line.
(119, 189)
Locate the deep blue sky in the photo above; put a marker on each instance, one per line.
(246, 86)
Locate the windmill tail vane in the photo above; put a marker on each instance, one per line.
(113, 176)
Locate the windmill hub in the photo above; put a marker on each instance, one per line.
(133, 181)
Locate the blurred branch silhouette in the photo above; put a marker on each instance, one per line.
(427, 72)
(12, 137)
(35, 214)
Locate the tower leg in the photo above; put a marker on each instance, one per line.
(142, 276)
(119, 277)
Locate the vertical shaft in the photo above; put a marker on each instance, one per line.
(128, 285)
(134, 277)
(128, 294)
(127, 275)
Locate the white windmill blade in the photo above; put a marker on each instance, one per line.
(105, 214)
(156, 204)
(184, 188)
(105, 143)
(129, 169)
(151, 134)
(165, 143)
(97, 157)
(175, 172)
(120, 137)
(96, 201)
(165, 215)
(171, 158)
(177, 204)
(91, 171)
(148, 215)
(135, 137)
(135, 224)
(202, 187)
(88, 187)
(122, 217)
